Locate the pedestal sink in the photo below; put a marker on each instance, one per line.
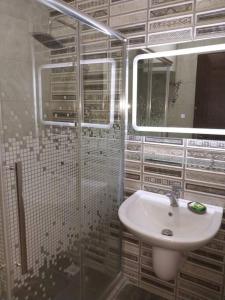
(172, 231)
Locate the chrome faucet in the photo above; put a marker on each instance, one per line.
(173, 196)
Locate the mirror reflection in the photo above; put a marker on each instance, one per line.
(185, 91)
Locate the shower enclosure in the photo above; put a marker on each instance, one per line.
(62, 98)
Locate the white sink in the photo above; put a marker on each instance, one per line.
(146, 214)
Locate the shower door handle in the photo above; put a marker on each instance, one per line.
(21, 217)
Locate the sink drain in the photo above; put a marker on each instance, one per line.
(167, 232)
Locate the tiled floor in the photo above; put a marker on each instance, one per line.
(130, 292)
(94, 285)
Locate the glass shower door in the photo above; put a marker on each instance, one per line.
(40, 153)
(102, 142)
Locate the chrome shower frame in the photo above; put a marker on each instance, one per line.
(73, 12)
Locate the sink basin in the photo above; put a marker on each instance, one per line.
(147, 214)
(150, 217)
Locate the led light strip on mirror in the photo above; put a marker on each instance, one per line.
(194, 50)
(70, 64)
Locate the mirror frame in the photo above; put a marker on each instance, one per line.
(179, 130)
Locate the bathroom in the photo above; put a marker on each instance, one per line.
(100, 99)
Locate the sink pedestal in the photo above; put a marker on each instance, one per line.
(166, 262)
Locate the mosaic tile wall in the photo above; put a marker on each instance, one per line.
(50, 159)
(198, 167)
(101, 186)
(50, 170)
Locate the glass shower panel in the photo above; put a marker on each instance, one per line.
(40, 159)
(62, 139)
(101, 164)
(99, 79)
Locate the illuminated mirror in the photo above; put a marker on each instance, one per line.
(58, 93)
(180, 90)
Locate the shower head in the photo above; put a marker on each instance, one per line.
(47, 40)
